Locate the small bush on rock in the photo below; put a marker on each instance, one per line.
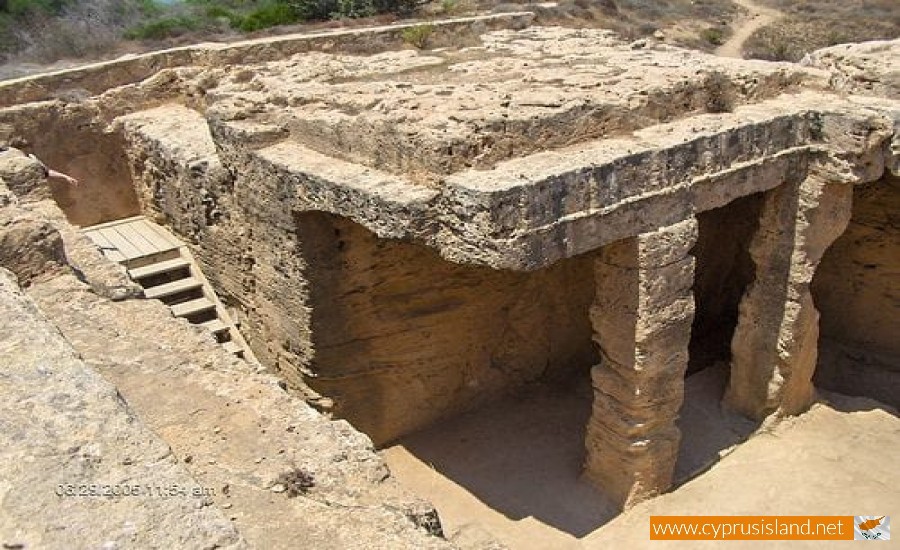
(418, 35)
(719, 93)
(713, 35)
(296, 482)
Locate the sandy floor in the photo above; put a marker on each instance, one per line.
(509, 471)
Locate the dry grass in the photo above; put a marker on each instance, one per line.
(83, 29)
(720, 93)
(814, 24)
(87, 31)
(701, 24)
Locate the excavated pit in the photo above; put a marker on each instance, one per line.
(72, 139)
(560, 295)
(403, 338)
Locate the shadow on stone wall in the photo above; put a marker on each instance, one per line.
(402, 337)
(857, 292)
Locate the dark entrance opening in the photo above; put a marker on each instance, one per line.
(724, 270)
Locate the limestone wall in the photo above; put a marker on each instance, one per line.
(402, 337)
(227, 429)
(393, 334)
(71, 138)
(857, 292)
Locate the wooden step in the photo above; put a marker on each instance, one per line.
(158, 268)
(215, 326)
(231, 347)
(131, 239)
(175, 287)
(192, 307)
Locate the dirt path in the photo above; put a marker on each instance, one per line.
(758, 16)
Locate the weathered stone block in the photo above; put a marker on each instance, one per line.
(657, 248)
(636, 389)
(642, 318)
(632, 470)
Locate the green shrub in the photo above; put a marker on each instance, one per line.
(149, 8)
(7, 39)
(320, 10)
(24, 7)
(399, 7)
(163, 28)
(713, 35)
(353, 9)
(269, 15)
(720, 93)
(418, 35)
(449, 6)
(220, 12)
(315, 10)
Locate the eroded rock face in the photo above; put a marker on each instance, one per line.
(238, 433)
(36, 241)
(514, 94)
(775, 344)
(66, 429)
(642, 320)
(406, 338)
(410, 232)
(856, 291)
(29, 245)
(869, 68)
(33, 247)
(723, 271)
(73, 138)
(446, 149)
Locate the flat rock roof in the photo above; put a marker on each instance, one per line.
(532, 145)
(506, 147)
(426, 114)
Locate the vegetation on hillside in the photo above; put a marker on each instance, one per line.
(46, 30)
(699, 24)
(809, 25)
(49, 29)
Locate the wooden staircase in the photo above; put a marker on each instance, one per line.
(165, 268)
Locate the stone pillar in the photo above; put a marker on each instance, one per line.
(775, 344)
(642, 317)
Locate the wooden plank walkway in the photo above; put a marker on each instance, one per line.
(162, 264)
(131, 238)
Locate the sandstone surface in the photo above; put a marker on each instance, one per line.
(209, 423)
(405, 234)
(69, 441)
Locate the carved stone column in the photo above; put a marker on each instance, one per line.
(642, 318)
(775, 344)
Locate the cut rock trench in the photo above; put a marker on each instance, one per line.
(602, 308)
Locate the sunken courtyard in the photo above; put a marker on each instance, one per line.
(510, 291)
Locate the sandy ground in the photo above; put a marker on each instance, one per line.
(509, 471)
(756, 18)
